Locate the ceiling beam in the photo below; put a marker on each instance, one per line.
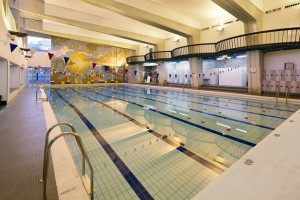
(146, 17)
(37, 26)
(35, 9)
(244, 10)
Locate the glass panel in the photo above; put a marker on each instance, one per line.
(39, 44)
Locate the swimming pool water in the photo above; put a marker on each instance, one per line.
(161, 144)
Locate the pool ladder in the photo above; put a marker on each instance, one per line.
(184, 86)
(287, 93)
(39, 98)
(47, 149)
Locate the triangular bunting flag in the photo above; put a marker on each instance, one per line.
(12, 47)
(126, 70)
(66, 59)
(50, 55)
(94, 65)
(135, 73)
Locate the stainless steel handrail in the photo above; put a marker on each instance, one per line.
(47, 141)
(47, 151)
(287, 94)
(85, 157)
(186, 84)
(277, 93)
(36, 94)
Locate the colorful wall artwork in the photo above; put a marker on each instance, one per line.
(86, 61)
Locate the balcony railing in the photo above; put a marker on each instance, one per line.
(135, 59)
(195, 50)
(158, 56)
(263, 40)
(269, 40)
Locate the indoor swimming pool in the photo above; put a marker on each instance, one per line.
(147, 143)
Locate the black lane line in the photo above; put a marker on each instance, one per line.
(187, 122)
(202, 112)
(134, 183)
(182, 149)
(292, 106)
(284, 118)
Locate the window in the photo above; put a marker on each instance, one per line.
(39, 44)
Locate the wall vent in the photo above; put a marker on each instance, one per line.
(215, 26)
(292, 5)
(229, 22)
(273, 10)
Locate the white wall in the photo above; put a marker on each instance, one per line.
(275, 60)
(211, 76)
(23, 76)
(282, 19)
(14, 76)
(163, 72)
(234, 77)
(5, 25)
(144, 49)
(230, 30)
(170, 44)
(39, 59)
(231, 72)
(181, 69)
(4, 79)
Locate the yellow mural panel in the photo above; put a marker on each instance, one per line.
(78, 63)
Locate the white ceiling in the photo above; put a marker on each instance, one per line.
(195, 13)
(189, 12)
(84, 12)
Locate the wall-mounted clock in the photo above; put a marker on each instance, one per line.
(252, 69)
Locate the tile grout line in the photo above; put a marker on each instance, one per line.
(182, 149)
(134, 183)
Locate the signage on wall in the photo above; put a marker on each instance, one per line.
(288, 66)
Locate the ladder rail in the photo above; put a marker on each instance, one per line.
(186, 84)
(47, 141)
(277, 93)
(83, 152)
(287, 94)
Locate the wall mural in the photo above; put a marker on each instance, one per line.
(82, 62)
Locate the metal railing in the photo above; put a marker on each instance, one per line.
(277, 93)
(135, 59)
(185, 85)
(287, 94)
(158, 56)
(39, 98)
(207, 49)
(269, 40)
(47, 149)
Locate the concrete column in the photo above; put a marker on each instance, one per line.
(4, 80)
(140, 73)
(163, 73)
(255, 68)
(139, 77)
(196, 68)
